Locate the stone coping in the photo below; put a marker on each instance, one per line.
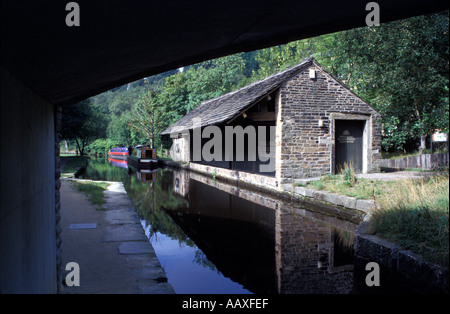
(289, 191)
(349, 202)
(398, 264)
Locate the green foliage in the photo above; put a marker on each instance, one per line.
(185, 90)
(102, 146)
(213, 78)
(443, 122)
(348, 175)
(83, 122)
(396, 134)
(214, 174)
(124, 101)
(278, 58)
(118, 131)
(174, 97)
(147, 117)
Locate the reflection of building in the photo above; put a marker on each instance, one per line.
(311, 257)
(181, 183)
(261, 242)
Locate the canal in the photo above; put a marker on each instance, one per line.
(213, 237)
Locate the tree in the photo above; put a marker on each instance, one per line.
(174, 97)
(213, 78)
(147, 116)
(118, 130)
(401, 68)
(274, 59)
(124, 101)
(83, 123)
(184, 91)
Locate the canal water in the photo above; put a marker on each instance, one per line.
(213, 237)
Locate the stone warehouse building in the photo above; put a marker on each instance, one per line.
(313, 125)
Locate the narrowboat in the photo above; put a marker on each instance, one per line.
(118, 153)
(143, 157)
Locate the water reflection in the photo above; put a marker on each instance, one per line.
(213, 237)
(263, 243)
(121, 163)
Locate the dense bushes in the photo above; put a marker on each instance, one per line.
(101, 147)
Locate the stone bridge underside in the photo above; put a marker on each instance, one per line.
(122, 41)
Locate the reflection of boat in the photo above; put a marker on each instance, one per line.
(118, 153)
(147, 175)
(143, 157)
(118, 163)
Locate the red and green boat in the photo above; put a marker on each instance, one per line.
(119, 153)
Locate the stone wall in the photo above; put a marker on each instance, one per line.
(307, 149)
(401, 271)
(257, 180)
(180, 150)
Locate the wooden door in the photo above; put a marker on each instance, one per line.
(349, 144)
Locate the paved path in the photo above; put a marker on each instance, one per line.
(385, 176)
(114, 256)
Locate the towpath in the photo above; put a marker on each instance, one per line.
(110, 246)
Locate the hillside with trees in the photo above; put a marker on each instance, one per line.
(400, 68)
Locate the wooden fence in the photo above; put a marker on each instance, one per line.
(424, 161)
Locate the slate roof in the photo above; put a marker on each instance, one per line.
(227, 106)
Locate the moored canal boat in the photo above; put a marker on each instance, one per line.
(143, 157)
(119, 153)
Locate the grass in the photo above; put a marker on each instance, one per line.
(347, 184)
(93, 190)
(416, 217)
(165, 158)
(414, 214)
